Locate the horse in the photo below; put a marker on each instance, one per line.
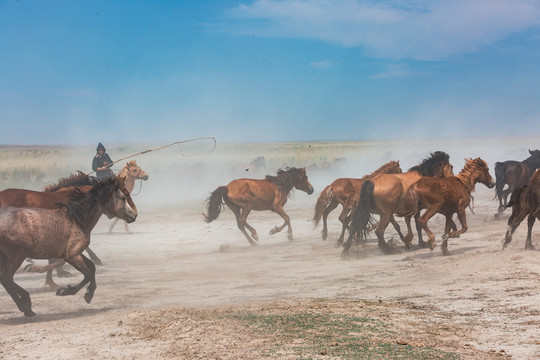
(345, 191)
(514, 173)
(525, 201)
(130, 172)
(270, 193)
(448, 196)
(387, 194)
(59, 233)
(53, 196)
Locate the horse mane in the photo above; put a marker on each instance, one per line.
(285, 179)
(78, 179)
(470, 171)
(384, 169)
(427, 166)
(81, 203)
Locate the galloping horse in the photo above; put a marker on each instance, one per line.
(271, 193)
(525, 201)
(448, 196)
(387, 194)
(58, 233)
(129, 173)
(515, 174)
(345, 191)
(54, 196)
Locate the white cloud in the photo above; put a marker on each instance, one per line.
(422, 29)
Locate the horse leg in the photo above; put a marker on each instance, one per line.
(287, 222)
(423, 220)
(333, 204)
(345, 218)
(421, 241)
(126, 227)
(405, 239)
(454, 234)
(530, 223)
(408, 239)
(513, 222)
(94, 257)
(113, 224)
(88, 269)
(8, 267)
(245, 213)
(383, 223)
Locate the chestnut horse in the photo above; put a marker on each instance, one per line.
(525, 201)
(387, 194)
(448, 196)
(58, 233)
(514, 173)
(129, 173)
(271, 193)
(345, 191)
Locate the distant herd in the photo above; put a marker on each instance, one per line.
(56, 223)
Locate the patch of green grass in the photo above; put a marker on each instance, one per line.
(310, 335)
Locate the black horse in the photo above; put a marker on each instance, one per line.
(514, 173)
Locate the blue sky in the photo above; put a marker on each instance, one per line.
(75, 72)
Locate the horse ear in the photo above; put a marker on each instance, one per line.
(304, 169)
(530, 152)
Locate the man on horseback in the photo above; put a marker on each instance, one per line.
(102, 163)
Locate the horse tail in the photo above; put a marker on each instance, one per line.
(362, 219)
(323, 201)
(500, 179)
(214, 204)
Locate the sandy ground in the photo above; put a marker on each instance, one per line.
(174, 263)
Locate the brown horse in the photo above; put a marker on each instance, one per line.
(129, 173)
(271, 193)
(525, 201)
(450, 195)
(514, 173)
(345, 191)
(58, 233)
(387, 194)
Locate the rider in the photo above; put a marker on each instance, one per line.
(101, 163)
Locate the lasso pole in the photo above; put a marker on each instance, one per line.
(163, 147)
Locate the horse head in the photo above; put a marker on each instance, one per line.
(134, 171)
(302, 182)
(534, 159)
(119, 203)
(483, 177)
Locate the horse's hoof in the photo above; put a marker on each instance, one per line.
(272, 231)
(290, 237)
(529, 247)
(88, 298)
(445, 236)
(338, 244)
(27, 268)
(63, 291)
(29, 313)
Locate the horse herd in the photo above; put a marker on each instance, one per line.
(56, 223)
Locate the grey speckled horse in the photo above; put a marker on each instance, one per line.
(59, 233)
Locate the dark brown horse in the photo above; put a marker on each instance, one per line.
(54, 196)
(514, 173)
(58, 233)
(271, 193)
(345, 191)
(449, 196)
(387, 194)
(525, 201)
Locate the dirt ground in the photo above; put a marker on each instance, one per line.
(171, 289)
